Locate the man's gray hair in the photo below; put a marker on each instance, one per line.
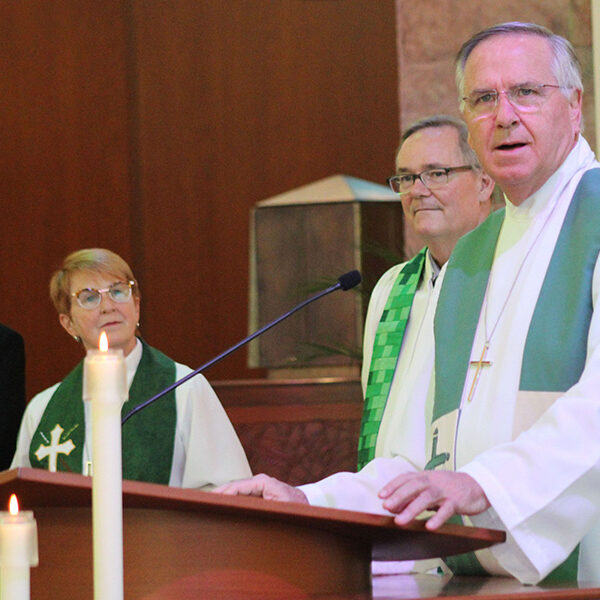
(444, 121)
(565, 67)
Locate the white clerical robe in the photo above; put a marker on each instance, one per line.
(544, 486)
(402, 432)
(207, 451)
(403, 449)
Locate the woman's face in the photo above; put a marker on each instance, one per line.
(118, 319)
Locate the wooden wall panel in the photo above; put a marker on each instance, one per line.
(64, 167)
(239, 101)
(152, 128)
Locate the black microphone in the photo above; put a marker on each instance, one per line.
(345, 282)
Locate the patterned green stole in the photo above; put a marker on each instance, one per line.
(147, 439)
(386, 350)
(547, 365)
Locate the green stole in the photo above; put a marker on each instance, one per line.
(386, 351)
(565, 302)
(147, 439)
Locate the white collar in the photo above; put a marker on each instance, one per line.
(432, 269)
(132, 360)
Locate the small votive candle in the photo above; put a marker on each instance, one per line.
(18, 551)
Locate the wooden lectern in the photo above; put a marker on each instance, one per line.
(181, 543)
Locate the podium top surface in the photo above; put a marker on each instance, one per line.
(40, 488)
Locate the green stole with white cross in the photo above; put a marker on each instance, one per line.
(147, 438)
(547, 365)
(386, 350)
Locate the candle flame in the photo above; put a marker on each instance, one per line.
(13, 505)
(103, 342)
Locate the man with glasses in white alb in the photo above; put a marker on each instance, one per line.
(514, 427)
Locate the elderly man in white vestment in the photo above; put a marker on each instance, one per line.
(515, 419)
(444, 194)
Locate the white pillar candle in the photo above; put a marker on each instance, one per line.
(18, 551)
(105, 386)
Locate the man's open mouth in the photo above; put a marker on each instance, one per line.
(510, 146)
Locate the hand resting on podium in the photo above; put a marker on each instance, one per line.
(447, 492)
(265, 487)
(407, 496)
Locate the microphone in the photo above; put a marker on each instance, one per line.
(345, 282)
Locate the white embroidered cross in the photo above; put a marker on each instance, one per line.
(55, 448)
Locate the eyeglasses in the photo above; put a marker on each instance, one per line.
(90, 298)
(522, 97)
(431, 178)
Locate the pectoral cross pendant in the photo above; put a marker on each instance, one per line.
(479, 364)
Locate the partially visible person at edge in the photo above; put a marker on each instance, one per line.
(184, 439)
(12, 391)
(514, 434)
